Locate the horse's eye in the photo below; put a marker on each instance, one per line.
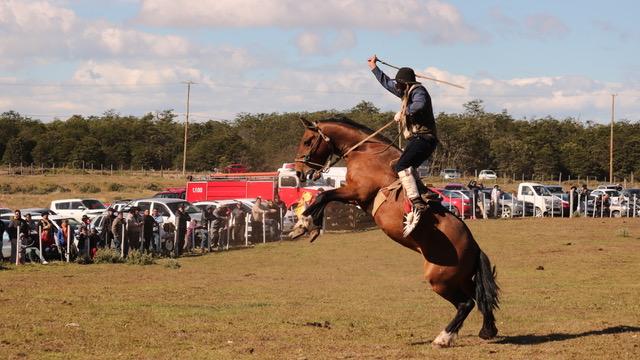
(307, 142)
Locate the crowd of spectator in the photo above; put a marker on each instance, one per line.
(219, 228)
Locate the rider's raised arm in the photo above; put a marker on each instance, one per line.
(386, 82)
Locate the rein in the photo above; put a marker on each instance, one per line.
(330, 162)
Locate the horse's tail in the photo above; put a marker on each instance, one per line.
(487, 290)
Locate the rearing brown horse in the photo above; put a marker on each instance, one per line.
(454, 265)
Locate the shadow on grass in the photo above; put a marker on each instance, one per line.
(531, 339)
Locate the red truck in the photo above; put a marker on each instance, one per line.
(250, 185)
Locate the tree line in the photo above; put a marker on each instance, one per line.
(469, 141)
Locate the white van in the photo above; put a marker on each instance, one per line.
(76, 208)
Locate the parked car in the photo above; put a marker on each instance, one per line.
(613, 194)
(172, 193)
(487, 175)
(76, 208)
(167, 208)
(629, 194)
(508, 205)
(5, 210)
(454, 186)
(555, 189)
(450, 174)
(456, 200)
(235, 168)
(118, 205)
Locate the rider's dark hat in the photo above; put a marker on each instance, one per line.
(406, 75)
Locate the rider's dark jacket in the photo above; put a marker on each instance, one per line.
(419, 111)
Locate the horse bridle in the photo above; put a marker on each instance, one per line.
(306, 159)
(330, 162)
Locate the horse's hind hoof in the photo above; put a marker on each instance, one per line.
(488, 333)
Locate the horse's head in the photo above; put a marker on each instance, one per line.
(313, 151)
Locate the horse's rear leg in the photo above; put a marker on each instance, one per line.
(464, 304)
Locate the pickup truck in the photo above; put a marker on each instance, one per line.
(544, 203)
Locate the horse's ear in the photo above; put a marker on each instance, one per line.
(308, 124)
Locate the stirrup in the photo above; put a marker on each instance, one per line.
(412, 219)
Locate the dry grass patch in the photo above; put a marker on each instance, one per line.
(354, 295)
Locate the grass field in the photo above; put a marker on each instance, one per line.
(346, 296)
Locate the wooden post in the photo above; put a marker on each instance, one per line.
(18, 245)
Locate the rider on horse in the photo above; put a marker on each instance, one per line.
(417, 124)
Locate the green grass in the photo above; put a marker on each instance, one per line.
(356, 296)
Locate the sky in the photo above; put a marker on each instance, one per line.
(531, 58)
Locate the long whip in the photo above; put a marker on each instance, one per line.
(423, 76)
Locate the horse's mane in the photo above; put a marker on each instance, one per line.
(341, 119)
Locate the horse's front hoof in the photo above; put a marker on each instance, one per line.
(297, 232)
(313, 234)
(444, 340)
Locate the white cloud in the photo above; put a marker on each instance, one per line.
(41, 32)
(435, 20)
(314, 43)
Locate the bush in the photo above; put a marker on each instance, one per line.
(107, 256)
(152, 187)
(89, 188)
(84, 260)
(6, 188)
(172, 264)
(135, 257)
(115, 187)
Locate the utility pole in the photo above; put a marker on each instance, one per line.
(186, 128)
(613, 102)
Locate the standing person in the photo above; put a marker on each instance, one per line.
(33, 230)
(281, 210)
(106, 233)
(83, 241)
(217, 228)
(583, 196)
(64, 236)
(118, 229)
(418, 127)
(149, 224)
(46, 236)
(574, 198)
(18, 227)
(238, 223)
(208, 219)
(477, 195)
(94, 242)
(257, 216)
(190, 238)
(495, 199)
(157, 230)
(182, 218)
(134, 228)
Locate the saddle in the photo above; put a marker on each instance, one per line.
(393, 191)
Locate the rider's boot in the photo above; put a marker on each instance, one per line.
(410, 185)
